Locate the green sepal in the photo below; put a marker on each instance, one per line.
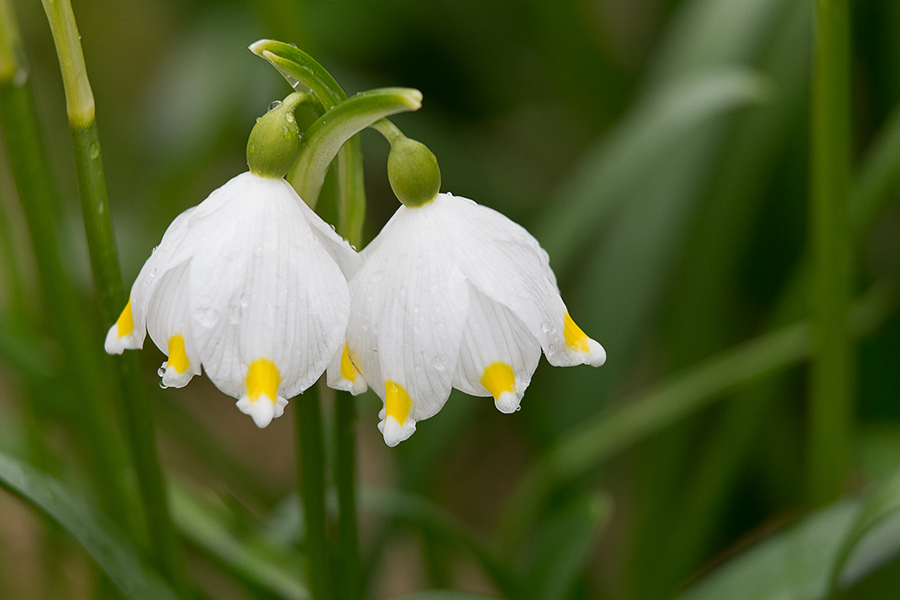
(325, 137)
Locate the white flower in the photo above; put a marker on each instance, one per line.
(453, 294)
(248, 284)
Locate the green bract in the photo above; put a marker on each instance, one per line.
(275, 139)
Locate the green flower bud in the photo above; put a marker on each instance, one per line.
(413, 172)
(275, 139)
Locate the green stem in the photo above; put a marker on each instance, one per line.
(133, 406)
(351, 201)
(831, 373)
(311, 478)
(351, 192)
(345, 481)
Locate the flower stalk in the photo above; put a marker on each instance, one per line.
(132, 403)
(311, 459)
(831, 373)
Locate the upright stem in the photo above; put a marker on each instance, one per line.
(345, 480)
(351, 202)
(831, 385)
(133, 406)
(311, 461)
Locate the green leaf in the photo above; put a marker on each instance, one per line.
(878, 173)
(651, 131)
(30, 355)
(271, 568)
(796, 564)
(445, 595)
(301, 69)
(564, 544)
(325, 137)
(111, 551)
(430, 517)
(881, 504)
(648, 412)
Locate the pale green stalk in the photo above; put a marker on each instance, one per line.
(133, 407)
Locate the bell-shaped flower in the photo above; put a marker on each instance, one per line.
(250, 285)
(453, 294)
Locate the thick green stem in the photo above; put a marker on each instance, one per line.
(133, 406)
(345, 480)
(311, 461)
(351, 201)
(831, 373)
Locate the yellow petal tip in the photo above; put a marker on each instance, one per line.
(497, 378)
(397, 402)
(576, 339)
(263, 378)
(125, 324)
(348, 370)
(178, 359)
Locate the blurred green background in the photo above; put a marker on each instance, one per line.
(658, 149)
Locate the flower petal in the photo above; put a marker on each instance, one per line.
(344, 375)
(409, 305)
(263, 287)
(168, 324)
(340, 250)
(504, 262)
(498, 355)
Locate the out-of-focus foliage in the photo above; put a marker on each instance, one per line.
(659, 149)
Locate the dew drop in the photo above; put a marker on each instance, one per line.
(274, 105)
(546, 327)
